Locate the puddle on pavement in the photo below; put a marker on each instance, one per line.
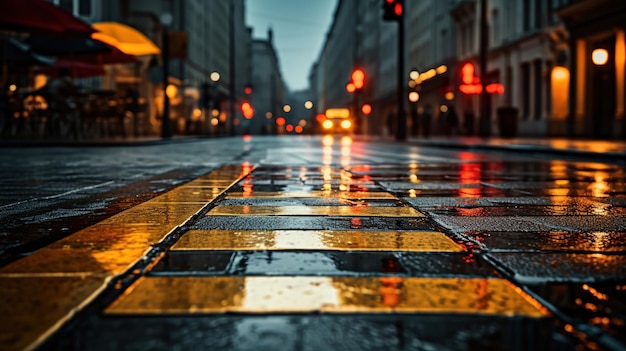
(597, 304)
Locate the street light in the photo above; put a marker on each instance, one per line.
(166, 124)
(599, 57)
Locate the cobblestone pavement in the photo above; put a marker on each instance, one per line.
(341, 246)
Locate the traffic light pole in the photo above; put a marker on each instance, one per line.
(401, 127)
(484, 129)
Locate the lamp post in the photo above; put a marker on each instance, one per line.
(166, 124)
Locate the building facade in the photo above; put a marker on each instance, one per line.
(540, 78)
(597, 67)
(205, 36)
(268, 87)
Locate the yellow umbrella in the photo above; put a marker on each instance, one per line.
(128, 39)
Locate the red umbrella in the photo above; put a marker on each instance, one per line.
(41, 16)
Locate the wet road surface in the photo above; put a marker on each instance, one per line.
(310, 243)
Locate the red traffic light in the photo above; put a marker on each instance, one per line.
(397, 9)
(247, 110)
(358, 78)
(393, 10)
(366, 109)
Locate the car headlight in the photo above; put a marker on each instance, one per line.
(327, 124)
(346, 124)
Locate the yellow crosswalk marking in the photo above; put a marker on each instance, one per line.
(168, 295)
(30, 306)
(316, 240)
(42, 289)
(360, 195)
(350, 211)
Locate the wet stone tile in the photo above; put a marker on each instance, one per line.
(451, 185)
(334, 240)
(491, 224)
(314, 263)
(599, 223)
(517, 210)
(328, 263)
(333, 211)
(312, 222)
(330, 201)
(189, 262)
(324, 294)
(599, 242)
(31, 306)
(312, 333)
(444, 264)
(538, 268)
(298, 186)
(595, 304)
(461, 192)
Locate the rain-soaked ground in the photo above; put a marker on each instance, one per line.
(312, 244)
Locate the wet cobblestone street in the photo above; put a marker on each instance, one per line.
(339, 244)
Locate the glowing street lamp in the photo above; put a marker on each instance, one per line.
(599, 57)
(215, 77)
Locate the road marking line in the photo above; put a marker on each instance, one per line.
(336, 240)
(338, 211)
(189, 295)
(83, 262)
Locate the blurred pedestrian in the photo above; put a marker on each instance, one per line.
(427, 117)
(63, 93)
(452, 122)
(131, 110)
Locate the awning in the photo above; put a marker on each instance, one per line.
(128, 39)
(39, 16)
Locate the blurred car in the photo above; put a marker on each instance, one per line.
(337, 121)
(337, 126)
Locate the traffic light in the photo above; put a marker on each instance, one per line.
(358, 79)
(393, 10)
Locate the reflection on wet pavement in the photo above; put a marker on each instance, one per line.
(325, 294)
(502, 253)
(315, 240)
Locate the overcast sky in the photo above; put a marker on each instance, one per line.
(299, 26)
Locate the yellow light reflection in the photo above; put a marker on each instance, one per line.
(348, 211)
(167, 295)
(328, 140)
(316, 240)
(599, 187)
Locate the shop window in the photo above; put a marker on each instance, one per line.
(560, 91)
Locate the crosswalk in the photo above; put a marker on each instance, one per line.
(305, 273)
(259, 241)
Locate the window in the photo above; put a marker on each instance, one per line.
(538, 13)
(495, 24)
(526, 15)
(82, 8)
